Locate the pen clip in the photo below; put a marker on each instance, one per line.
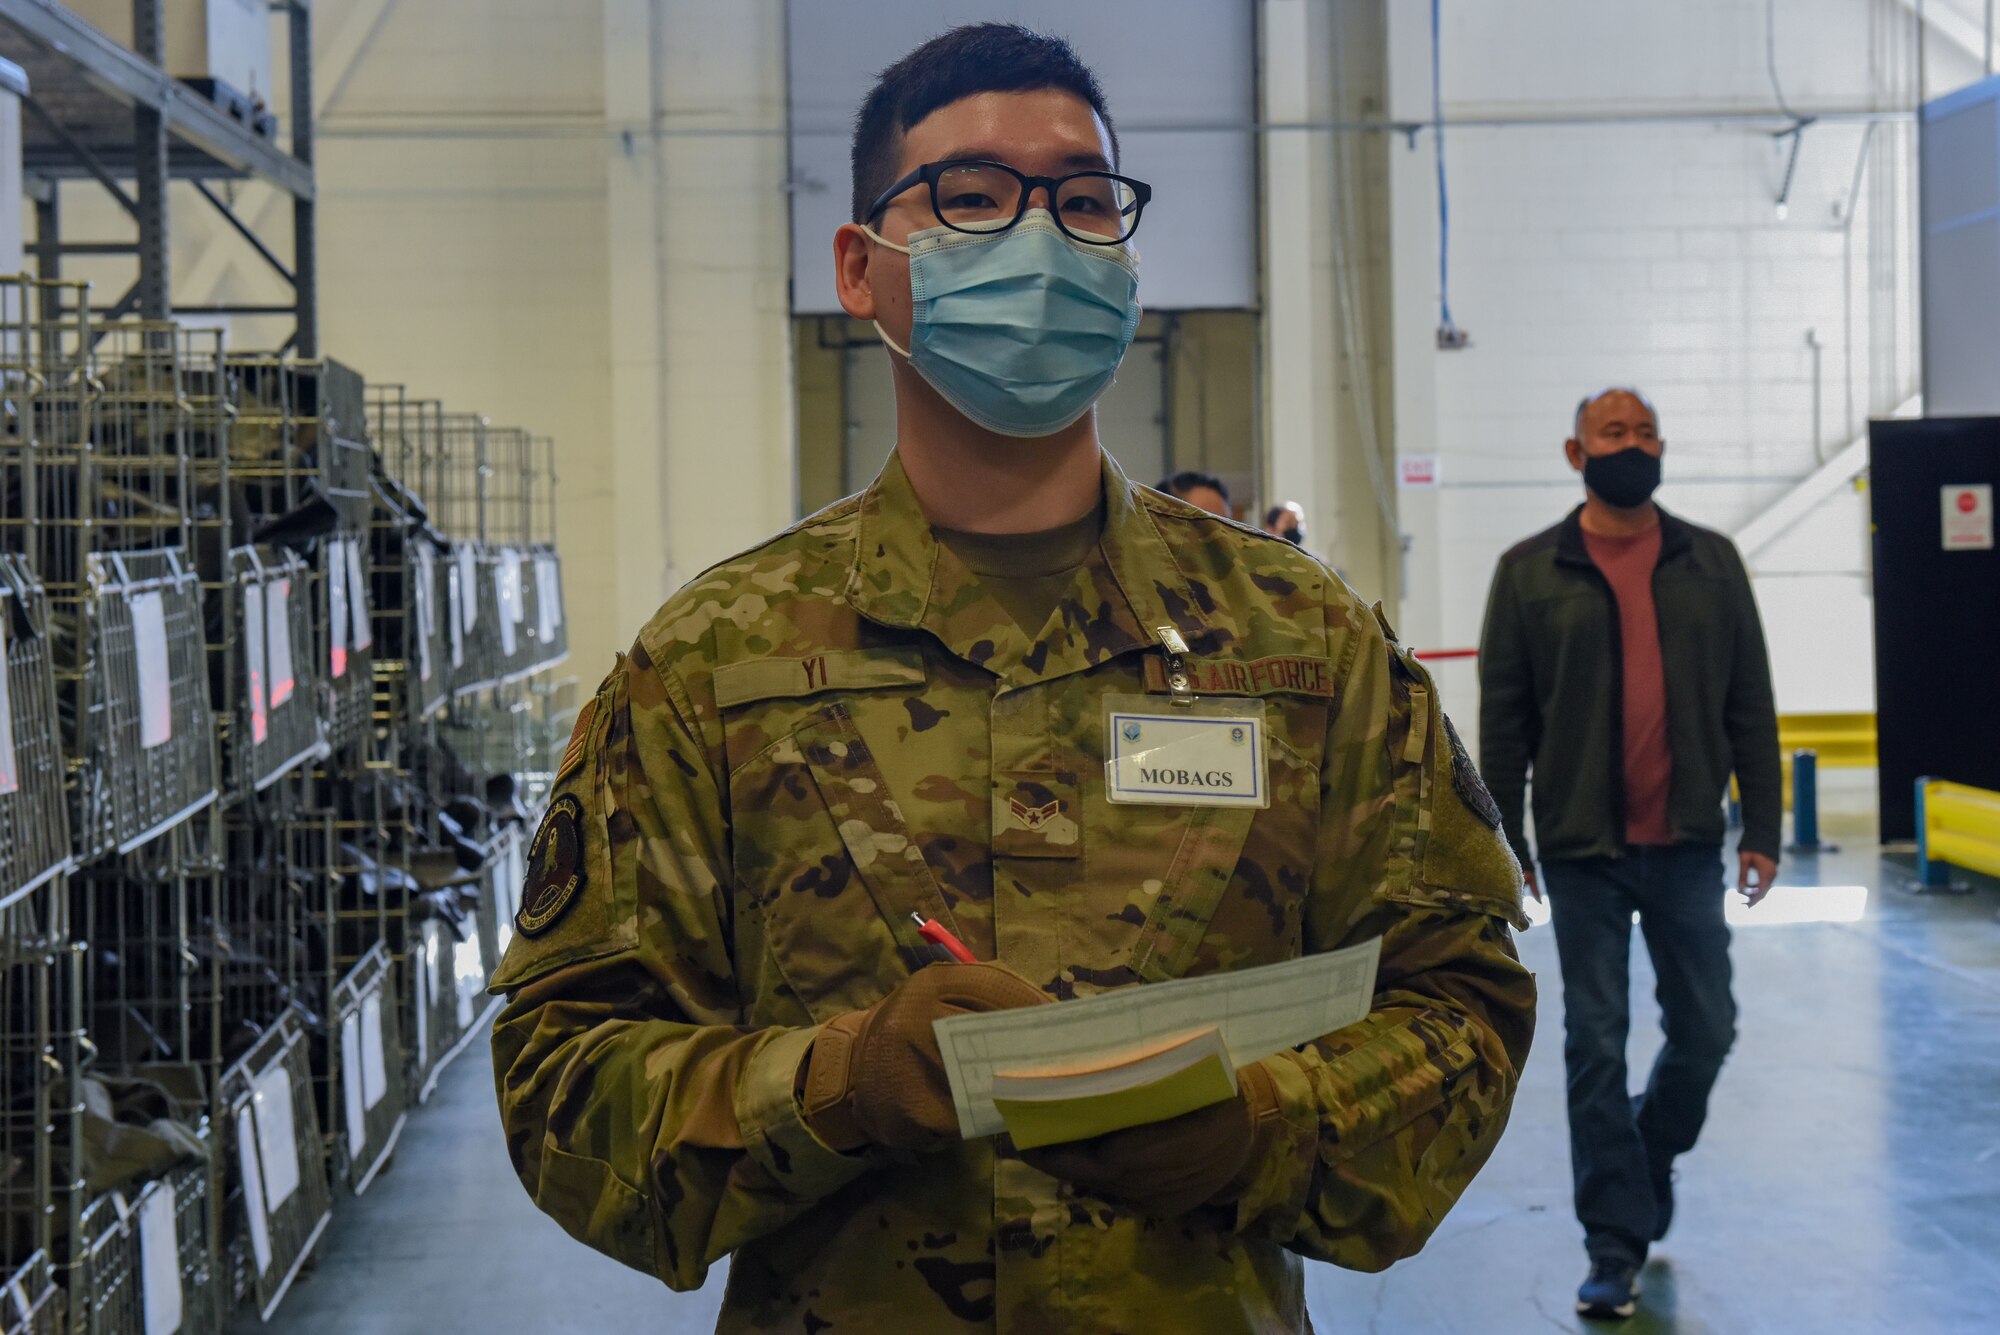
(1178, 679)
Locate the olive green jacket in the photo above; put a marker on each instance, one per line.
(1552, 697)
(819, 737)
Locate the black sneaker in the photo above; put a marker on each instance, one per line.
(1612, 1291)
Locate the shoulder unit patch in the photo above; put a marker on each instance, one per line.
(1465, 778)
(555, 868)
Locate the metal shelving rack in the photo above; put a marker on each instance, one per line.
(98, 111)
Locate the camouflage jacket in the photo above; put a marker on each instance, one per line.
(816, 738)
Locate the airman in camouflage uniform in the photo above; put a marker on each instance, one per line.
(719, 1041)
(839, 728)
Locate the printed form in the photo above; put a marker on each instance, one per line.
(1259, 1011)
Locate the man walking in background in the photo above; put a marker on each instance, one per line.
(1204, 491)
(1624, 665)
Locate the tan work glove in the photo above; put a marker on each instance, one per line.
(875, 1076)
(1163, 1169)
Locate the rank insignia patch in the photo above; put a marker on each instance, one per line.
(1033, 818)
(555, 868)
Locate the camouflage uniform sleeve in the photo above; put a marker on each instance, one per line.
(638, 1112)
(1384, 1124)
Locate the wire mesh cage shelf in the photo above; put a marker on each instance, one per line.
(276, 725)
(279, 1200)
(34, 810)
(146, 1259)
(39, 1131)
(368, 1052)
(30, 1301)
(150, 758)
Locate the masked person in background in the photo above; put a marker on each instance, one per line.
(1287, 520)
(718, 1040)
(1624, 665)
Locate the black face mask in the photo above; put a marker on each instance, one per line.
(1625, 479)
(1295, 536)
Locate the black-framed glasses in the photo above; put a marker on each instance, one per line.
(1096, 208)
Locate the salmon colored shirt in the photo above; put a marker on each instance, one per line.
(1627, 564)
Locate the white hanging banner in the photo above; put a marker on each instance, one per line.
(277, 1135)
(357, 597)
(278, 639)
(10, 771)
(160, 1260)
(374, 1068)
(253, 653)
(253, 1188)
(350, 1085)
(156, 682)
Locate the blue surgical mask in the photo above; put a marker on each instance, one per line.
(1022, 330)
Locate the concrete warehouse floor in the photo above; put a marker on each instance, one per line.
(1849, 1180)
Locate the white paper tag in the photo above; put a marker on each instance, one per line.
(337, 620)
(423, 1008)
(424, 577)
(277, 1135)
(278, 640)
(513, 587)
(253, 1188)
(374, 1068)
(458, 588)
(160, 1260)
(156, 683)
(357, 597)
(253, 655)
(10, 770)
(506, 593)
(466, 976)
(468, 580)
(1210, 754)
(350, 1085)
(548, 594)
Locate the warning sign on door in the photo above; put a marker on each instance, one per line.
(1968, 517)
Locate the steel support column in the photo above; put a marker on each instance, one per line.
(305, 219)
(149, 169)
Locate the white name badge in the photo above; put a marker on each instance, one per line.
(1206, 754)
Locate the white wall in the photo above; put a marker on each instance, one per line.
(1590, 246)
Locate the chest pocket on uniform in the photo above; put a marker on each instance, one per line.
(822, 854)
(1219, 888)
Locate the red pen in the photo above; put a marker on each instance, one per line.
(932, 931)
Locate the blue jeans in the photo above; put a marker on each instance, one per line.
(1620, 1145)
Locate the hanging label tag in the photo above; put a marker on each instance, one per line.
(1203, 753)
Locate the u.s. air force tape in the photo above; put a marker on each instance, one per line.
(555, 868)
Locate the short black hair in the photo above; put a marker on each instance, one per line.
(1180, 484)
(976, 58)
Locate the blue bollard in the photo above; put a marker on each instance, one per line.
(1805, 802)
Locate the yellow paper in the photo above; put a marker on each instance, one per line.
(1052, 1106)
